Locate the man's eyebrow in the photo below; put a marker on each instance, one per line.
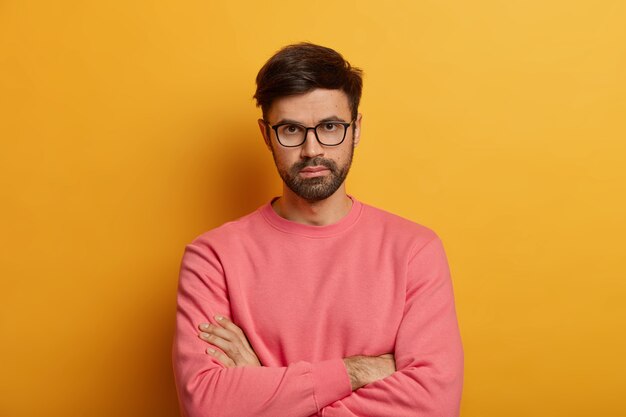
(282, 121)
(332, 118)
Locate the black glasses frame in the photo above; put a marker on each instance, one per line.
(306, 131)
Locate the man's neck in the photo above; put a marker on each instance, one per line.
(318, 213)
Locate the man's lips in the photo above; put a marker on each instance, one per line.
(316, 168)
(314, 171)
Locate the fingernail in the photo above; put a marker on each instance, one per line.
(204, 326)
(220, 318)
(211, 351)
(204, 334)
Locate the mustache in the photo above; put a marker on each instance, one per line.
(317, 161)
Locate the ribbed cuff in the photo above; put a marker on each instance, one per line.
(330, 381)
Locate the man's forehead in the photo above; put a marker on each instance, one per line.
(313, 106)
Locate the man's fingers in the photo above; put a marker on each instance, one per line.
(220, 332)
(229, 325)
(231, 340)
(228, 331)
(231, 348)
(225, 360)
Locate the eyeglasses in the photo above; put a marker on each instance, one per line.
(329, 133)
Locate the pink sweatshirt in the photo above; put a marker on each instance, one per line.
(308, 296)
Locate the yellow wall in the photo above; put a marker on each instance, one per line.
(127, 128)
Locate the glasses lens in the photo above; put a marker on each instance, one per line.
(330, 133)
(290, 134)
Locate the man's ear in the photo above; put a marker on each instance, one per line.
(357, 129)
(265, 132)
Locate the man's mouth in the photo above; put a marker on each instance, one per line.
(316, 168)
(314, 171)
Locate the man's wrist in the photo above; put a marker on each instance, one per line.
(358, 371)
(364, 370)
(353, 372)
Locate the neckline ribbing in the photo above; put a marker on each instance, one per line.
(292, 227)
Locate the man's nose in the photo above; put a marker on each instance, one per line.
(311, 147)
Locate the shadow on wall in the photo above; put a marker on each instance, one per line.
(237, 175)
(226, 175)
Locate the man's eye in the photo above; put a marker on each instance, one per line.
(330, 127)
(291, 129)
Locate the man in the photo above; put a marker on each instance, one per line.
(316, 304)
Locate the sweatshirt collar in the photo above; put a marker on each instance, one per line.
(292, 227)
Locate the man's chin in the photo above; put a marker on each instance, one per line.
(314, 182)
(314, 189)
(314, 192)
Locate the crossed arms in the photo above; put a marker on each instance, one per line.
(423, 377)
(235, 351)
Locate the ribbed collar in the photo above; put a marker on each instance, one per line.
(292, 227)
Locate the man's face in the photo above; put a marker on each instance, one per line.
(312, 171)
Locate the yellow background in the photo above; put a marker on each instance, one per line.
(127, 129)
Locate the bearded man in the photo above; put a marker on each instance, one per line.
(316, 304)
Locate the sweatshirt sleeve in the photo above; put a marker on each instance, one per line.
(207, 388)
(428, 353)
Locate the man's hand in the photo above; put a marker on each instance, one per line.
(231, 340)
(364, 370)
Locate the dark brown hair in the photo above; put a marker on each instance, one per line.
(302, 67)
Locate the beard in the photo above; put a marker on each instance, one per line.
(316, 188)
